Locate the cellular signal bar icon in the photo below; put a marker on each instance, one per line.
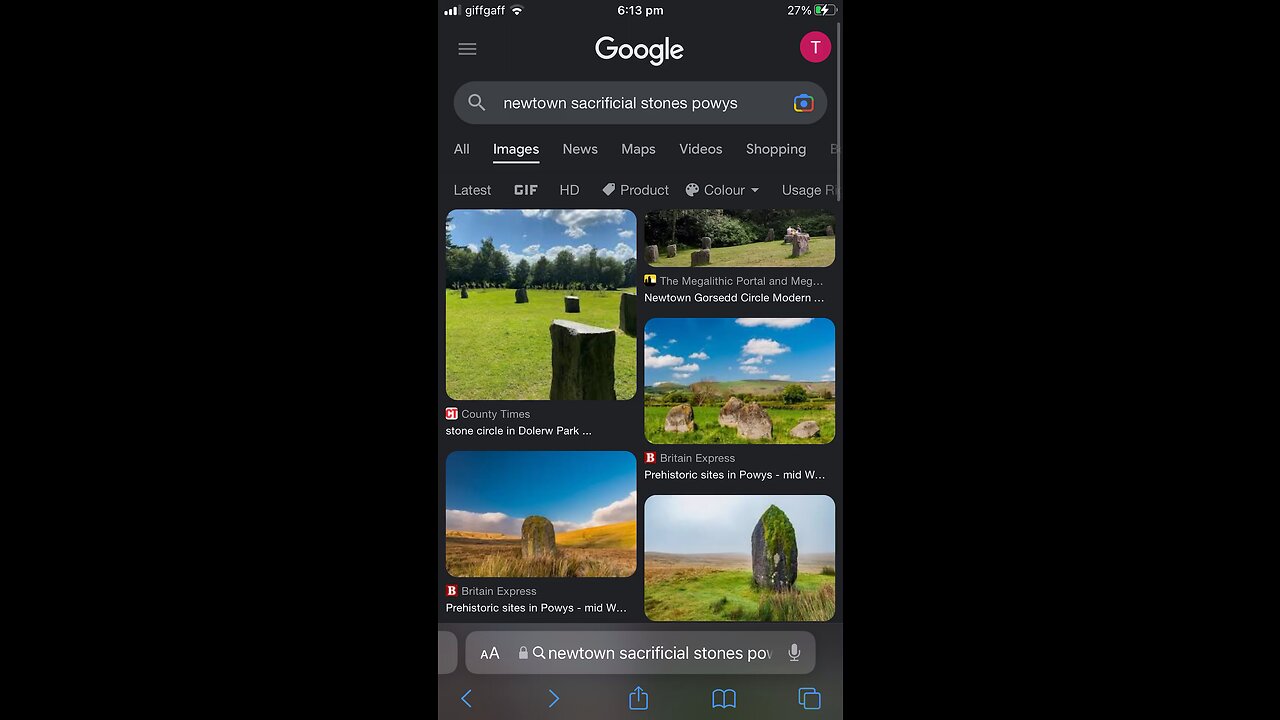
(452, 11)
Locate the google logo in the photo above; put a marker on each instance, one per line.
(656, 53)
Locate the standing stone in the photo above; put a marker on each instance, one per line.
(522, 295)
(754, 423)
(537, 538)
(651, 253)
(799, 246)
(571, 304)
(671, 251)
(786, 239)
(679, 419)
(806, 429)
(627, 313)
(706, 242)
(464, 294)
(700, 257)
(830, 231)
(729, 413)
(581, 361)
(773, 551)
(770, 236)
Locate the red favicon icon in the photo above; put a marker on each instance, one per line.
(650, 458)
(451, 590)
(451, 413)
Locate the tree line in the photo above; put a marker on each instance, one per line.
(490, 267)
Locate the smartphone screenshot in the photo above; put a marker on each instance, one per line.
(641, 419)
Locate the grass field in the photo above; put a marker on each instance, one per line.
(822, 252)
(496, 349)
(702, 594)
(604, 551)
(709, 429)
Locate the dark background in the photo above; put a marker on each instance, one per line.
(723, 41)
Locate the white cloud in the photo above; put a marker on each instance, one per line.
(672, 341)
(626, 233)
(779, 377)
(761, 346)
(663, 382)
(690, 368)
(622, 510)
(491, 212)
(653, 360)
(493, 522)
(505, 247)
(576, 222)
(473, 247)
(682, 376)
(754, 360)
(650, 336)
(708, 337)
(831, 369)
(779, 323)
(448, 226)
(699, 356)
(828, 377)
(751, 369)
(531, 250)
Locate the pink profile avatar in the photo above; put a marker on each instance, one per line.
(815, 47)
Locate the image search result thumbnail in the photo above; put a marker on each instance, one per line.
(540, 514)
(739, 380)
(739, 238)
(540, 304)
(739, 558)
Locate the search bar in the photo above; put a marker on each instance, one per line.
(642, 652)
(639, 103)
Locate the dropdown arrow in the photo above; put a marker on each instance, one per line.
(755, 189)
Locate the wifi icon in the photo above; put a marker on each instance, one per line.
(517, 9)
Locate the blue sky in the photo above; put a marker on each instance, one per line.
(723, 523)
(495, 491)
(686, 350)
(532, 234)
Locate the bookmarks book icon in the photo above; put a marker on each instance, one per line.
(726, 698)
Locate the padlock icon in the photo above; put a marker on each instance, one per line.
(524, 652)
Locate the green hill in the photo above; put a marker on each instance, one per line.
(755, 387)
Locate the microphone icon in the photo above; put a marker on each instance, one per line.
(795, 653)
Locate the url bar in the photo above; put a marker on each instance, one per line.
(639, 103)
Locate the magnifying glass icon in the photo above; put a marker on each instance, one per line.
(476, 101)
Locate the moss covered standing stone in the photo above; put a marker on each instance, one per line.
(729, 413)
(537, 538)
(582, 361)
(679, 419)
(773, 551)
(754, 423)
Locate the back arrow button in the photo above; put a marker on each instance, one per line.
(464, 698)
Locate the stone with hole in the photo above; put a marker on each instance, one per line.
(582, 361)
(537, 538)
(679, 419)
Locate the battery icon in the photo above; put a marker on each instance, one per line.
(826, 9)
